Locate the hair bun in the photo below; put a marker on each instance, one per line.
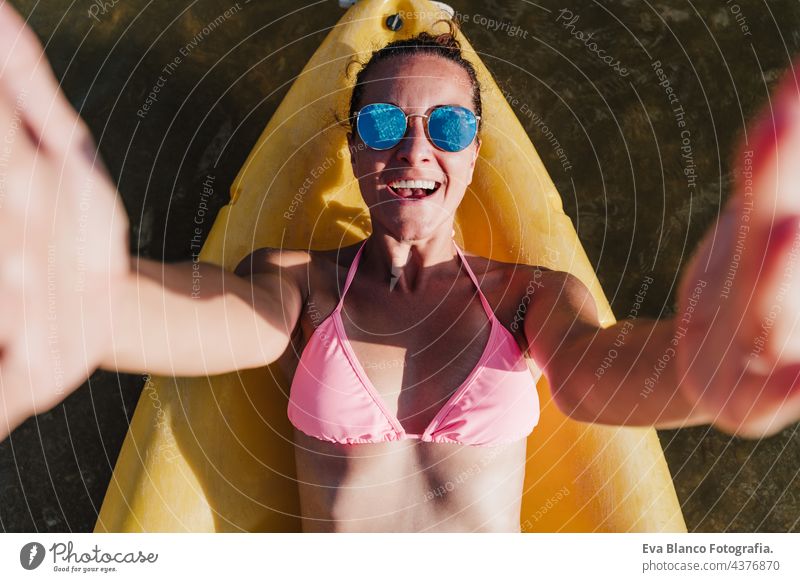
(444, 45)
(446, 40)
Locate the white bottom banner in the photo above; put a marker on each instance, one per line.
(370, 557)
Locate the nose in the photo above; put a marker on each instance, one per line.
(415, 148)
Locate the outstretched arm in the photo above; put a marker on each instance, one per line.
(196, 319)
(71, 299)
(731, 355)
(63, 235)
(624, 374)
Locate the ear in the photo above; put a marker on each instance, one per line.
(474, 159)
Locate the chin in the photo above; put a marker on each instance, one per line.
(408, 233)
(415, 231)
(410, 222)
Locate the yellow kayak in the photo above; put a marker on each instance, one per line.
(216, 453)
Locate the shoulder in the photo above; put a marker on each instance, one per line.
(509, 288)
(551, 292)
(268, 266)
(305, 267)
(269, 259)
(513, 278)
(334, 258)
(521, 292)
(559, 305)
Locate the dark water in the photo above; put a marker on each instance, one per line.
(621, 176)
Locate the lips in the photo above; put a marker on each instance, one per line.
(413, 189)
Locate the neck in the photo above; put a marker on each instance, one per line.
(410, 265)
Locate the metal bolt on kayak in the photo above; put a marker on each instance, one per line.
(394, 22)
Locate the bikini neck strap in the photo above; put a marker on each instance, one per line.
(351, 272)
(486, 307)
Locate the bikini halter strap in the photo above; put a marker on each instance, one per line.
(351, 272)
(486, 307)
(354, 265)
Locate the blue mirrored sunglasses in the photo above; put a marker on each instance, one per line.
(450, 128)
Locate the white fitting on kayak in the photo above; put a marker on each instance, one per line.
(446, 7)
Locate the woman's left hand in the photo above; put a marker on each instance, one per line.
(737, 335)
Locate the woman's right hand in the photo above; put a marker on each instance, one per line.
(63, 236)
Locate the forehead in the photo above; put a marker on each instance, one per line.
(417, 83)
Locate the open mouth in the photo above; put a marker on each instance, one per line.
(413, 189)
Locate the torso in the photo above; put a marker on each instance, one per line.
(415, 351)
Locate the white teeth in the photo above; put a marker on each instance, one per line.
(424, 184)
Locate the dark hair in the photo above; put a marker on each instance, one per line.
(443, 45)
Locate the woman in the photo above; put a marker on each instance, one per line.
(399, 385)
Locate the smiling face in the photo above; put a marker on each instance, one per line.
(415, 84)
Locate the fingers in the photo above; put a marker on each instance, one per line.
(774, 338)
(775, 406)
(13, 409)
(63, 235)
(770, 159)
(768, 203)
(27, 79)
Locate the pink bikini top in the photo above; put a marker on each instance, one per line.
(331, 397)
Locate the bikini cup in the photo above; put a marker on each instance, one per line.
(332, 399)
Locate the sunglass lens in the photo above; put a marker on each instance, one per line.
(452, 128)
(381, 125)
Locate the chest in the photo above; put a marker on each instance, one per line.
(415, 353)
